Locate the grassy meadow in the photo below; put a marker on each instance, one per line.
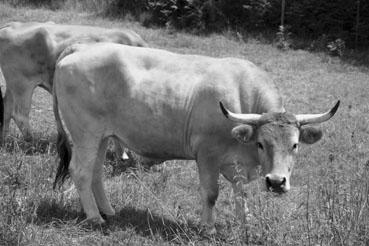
(327, 204)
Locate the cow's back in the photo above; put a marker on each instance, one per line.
(79, 33)
(32, 48)
(26, 50)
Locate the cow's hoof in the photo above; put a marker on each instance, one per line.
(107, 217)
(108, 211)
(94, 221)
(208, 231)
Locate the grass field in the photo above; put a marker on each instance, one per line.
(327, 205)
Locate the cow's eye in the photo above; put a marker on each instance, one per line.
(295, 147)
(260, 146)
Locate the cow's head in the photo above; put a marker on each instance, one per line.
(277, 137)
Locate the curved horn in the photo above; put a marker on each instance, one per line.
(252, 119)
(304, 119)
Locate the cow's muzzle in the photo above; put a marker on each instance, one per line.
(276, 183)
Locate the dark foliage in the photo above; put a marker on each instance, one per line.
(323, 21)
(309, 19)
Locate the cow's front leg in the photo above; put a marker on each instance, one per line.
(238, 175)
(209, 189)
(240, 202)
(101, 199)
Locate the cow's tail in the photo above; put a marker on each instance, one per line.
(62, 145)
(1, 113)
(2, 102)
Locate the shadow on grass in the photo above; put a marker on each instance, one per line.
(143, 222)
(148, 224)
(38, 145)
(50, 211)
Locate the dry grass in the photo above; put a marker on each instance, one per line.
(328, 204)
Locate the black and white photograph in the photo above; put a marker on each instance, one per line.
(184, 122)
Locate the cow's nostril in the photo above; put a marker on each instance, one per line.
(283, 181)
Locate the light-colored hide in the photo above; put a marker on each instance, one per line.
(165, 106)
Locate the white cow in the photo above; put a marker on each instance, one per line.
(165, 106)
(28, 53)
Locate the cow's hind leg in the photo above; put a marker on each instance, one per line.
(97, 182)
(81, 169)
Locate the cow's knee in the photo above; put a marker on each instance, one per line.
(212, 197)
(209, 191)
(81, 176)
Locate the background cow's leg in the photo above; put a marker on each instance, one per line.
(238, 176)
(209, 189)
(17, 103)
(240, 202)
(8, 109)
(118, 149)
(81, 170)
(97, 182)
(22, 107)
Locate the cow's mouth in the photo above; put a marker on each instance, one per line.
(276, 186)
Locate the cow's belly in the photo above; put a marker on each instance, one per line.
(152, 146)
(150, 131)
(147, 135)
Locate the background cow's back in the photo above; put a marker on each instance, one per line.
(28, 52)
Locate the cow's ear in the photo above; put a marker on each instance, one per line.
(310, 135)
(243, 133)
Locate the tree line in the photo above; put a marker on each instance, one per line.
(337, 22)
